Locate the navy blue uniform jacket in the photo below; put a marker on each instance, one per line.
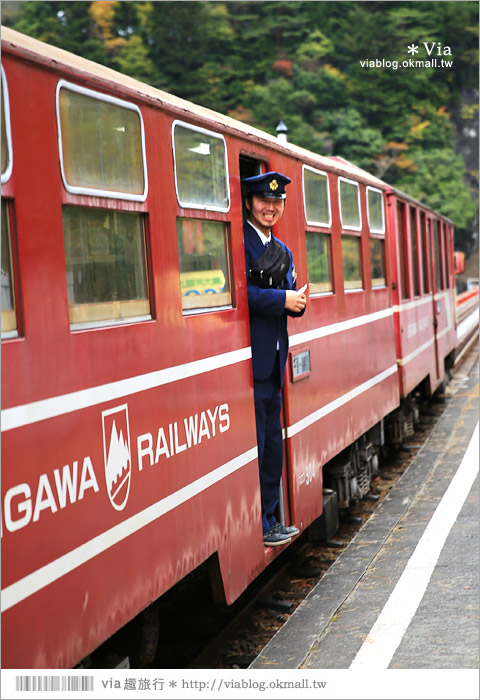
(268, 315)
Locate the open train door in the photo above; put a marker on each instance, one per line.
(250, 166)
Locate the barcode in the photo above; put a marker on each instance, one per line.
(52, 683)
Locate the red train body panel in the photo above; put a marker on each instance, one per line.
(129, 448)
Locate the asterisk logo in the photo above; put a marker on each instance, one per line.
(413, 49)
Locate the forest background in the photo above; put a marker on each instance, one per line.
(304, 63)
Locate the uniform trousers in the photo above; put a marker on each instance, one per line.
(268, 405)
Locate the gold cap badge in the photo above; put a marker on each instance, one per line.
(274, 185)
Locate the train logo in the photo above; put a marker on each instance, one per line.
(117, 455)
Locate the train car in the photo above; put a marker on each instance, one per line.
(424, 284)
(128, 433)
(422, 265)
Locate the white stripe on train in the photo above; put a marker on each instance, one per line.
(36, 411)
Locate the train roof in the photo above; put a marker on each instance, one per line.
(403, 195)
(56, 58)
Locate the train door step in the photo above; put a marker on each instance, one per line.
(323, 528)
(336, 544)
(308, 572)
(353, 520)
(370, 497)
(272, 604)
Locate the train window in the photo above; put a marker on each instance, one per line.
(204, 264)
(102, 144)
(316, 197)
(377, 262)
(413, 238)
(446, 255)
(430, 248)
(319, 262)
(437, 255)
(9, 316)
(106, 266)
(201, 171)
(441, 243)
(426, 287)
(376, 213)
(6, 135)
(349, 195)
(352, 264)
(401, 249)
(376, 225)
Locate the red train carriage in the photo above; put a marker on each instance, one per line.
(423, 293)
(127, 419)
(128, 431)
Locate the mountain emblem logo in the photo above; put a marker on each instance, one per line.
(117, 455)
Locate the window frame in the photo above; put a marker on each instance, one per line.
(193, 310)
(426, 270)
(381, 239)
(414, 248)
(448, 258)
(380, 192)
(91, 323)
(403, 281)
(438, 254)
(358, 239)
(328, 238)
(14, 332)
(5, 176)
(102, 97)
(207, 132)
(357, 185)
(325, 174)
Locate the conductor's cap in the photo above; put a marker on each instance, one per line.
(270, 185)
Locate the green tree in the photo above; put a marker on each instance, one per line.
(133, 59)
(182, 37)
(352, 138)
(435, 180)
(67, 25)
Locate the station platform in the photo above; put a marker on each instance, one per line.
(404, 593)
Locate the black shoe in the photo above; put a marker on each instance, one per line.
(273, 538)
(289, 530)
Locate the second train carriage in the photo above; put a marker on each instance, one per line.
(128, 431)
(423, 292)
